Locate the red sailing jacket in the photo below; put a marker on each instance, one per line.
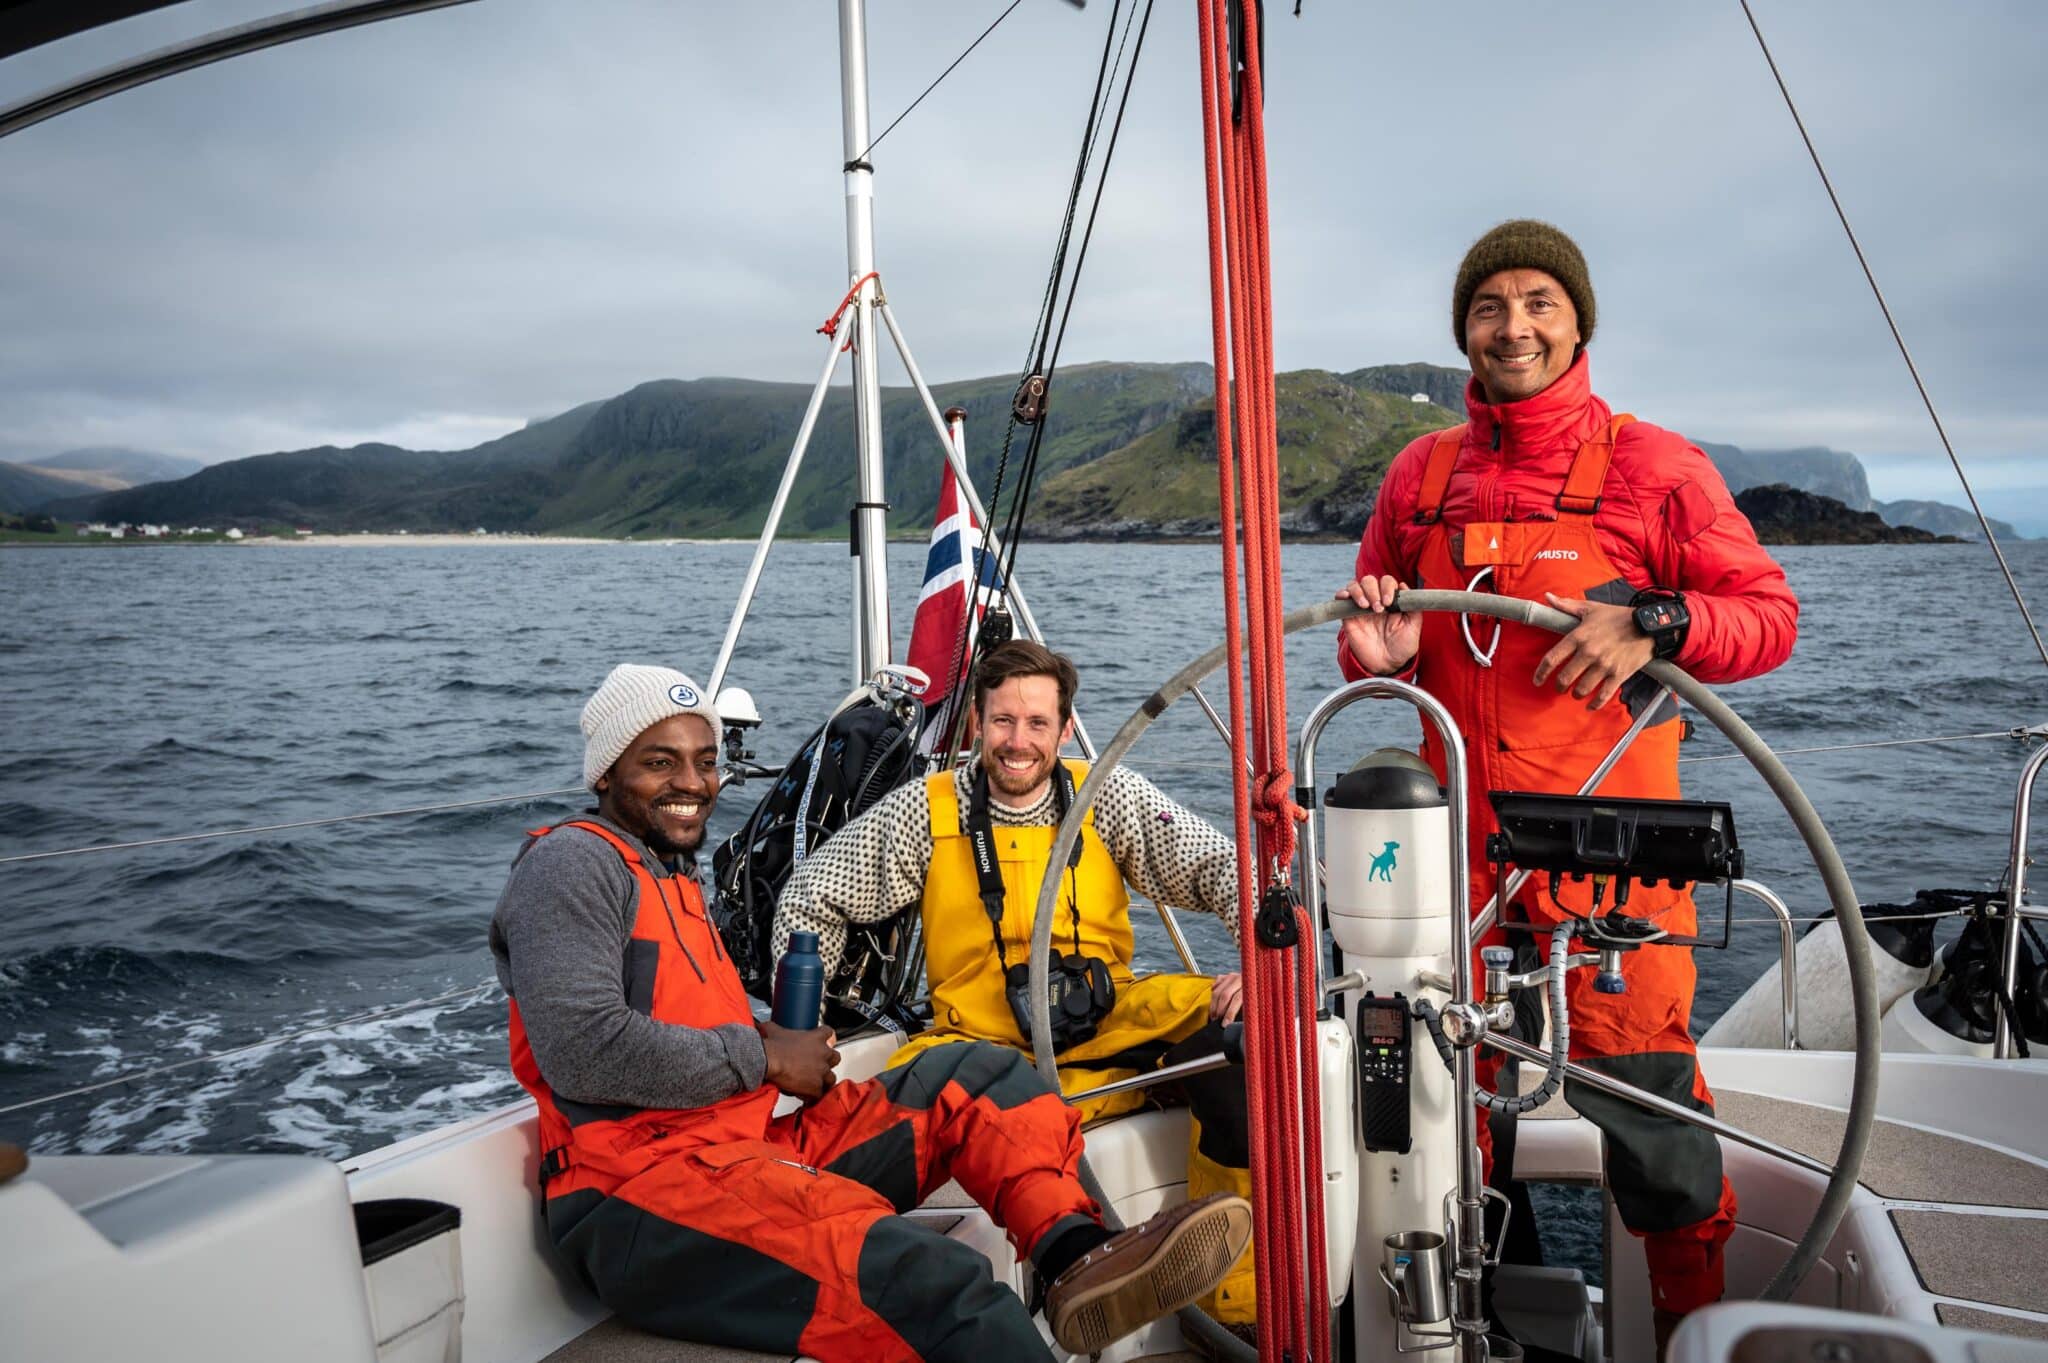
(1666, 519)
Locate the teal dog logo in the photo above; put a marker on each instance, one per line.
(1383, 865)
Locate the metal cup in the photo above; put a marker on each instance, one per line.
(1414, 1262)
(1501, 1349)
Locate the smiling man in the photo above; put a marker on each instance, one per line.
(917, 846)
(1546, 494)
(692, 1210)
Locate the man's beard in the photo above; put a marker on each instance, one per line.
(1016, 784)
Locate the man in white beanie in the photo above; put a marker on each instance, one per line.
(670, 1185)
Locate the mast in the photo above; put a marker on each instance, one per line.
(869, 528)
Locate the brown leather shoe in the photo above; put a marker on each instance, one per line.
(1142, 1273)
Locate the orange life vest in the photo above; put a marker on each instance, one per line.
(675, 971)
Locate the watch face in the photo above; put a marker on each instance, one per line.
(1658, 615)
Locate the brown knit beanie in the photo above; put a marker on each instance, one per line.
(1524, 244)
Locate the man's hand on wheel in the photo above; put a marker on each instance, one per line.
(1605, 650)
(1384, 641)
(799, 1063)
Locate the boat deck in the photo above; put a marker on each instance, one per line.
(1972, 1218)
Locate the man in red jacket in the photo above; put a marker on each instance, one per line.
(1546, 494)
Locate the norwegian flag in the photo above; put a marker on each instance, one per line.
(935, 635)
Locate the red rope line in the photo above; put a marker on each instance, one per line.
(831, 326)
(1281, 1074)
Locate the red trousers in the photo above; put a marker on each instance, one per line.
(795, 1242)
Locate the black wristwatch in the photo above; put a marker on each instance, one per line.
(1661, 614)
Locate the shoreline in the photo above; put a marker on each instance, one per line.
(455, 540)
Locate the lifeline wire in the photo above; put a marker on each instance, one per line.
(935, 84)
(1223, 764)
(1898, 339)
(297, 823)
(133, 1076)
(1880, 743)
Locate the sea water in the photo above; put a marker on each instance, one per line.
(153, 692)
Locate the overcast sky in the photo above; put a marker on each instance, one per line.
(431, 230)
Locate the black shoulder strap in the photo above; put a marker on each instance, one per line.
(988, 871)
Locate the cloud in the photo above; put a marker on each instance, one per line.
(449, 224)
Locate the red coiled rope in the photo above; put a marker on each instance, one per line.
(1281, 1074)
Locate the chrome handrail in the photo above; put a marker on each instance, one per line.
(1468, 1227)
(2016, 895)
(1788, 958)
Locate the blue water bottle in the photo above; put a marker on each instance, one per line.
(799, 984)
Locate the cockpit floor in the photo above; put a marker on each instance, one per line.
(1903, 1163)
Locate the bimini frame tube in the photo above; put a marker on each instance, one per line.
(217, 46)
(740, 607)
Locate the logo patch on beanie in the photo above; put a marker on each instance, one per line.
(682, 695)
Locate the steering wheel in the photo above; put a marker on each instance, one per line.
(1834, 1202)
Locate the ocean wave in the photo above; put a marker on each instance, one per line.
(83, 968)
(511, 690)
(329, 1091)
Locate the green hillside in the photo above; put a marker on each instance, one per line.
(1129, 451)
(668, 458)
(1335, 442)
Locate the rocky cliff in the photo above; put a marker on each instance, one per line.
(1788, 515)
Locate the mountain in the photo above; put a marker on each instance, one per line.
(1788, 515)
(1443, 387)
(1942, 519)
(1840, 477)
(23, 488)
(1812, 468)
(1336, 440)
(1123, 449)
(671, 457)
(125, 467)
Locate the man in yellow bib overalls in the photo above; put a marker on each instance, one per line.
(918, 846)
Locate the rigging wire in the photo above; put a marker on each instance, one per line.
(296, 823)
(1036, 350)
(1050, 346)
(151, 1072)
(935, 84)
(1897, 338)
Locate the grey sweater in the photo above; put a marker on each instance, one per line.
(559, 937)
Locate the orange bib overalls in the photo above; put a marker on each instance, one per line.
(727, 1225)
(1665, 1176)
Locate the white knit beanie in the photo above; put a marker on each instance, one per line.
(633, 699)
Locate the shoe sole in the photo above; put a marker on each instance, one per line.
(1189, 1260)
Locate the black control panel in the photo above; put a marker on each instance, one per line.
(1383, 1072)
